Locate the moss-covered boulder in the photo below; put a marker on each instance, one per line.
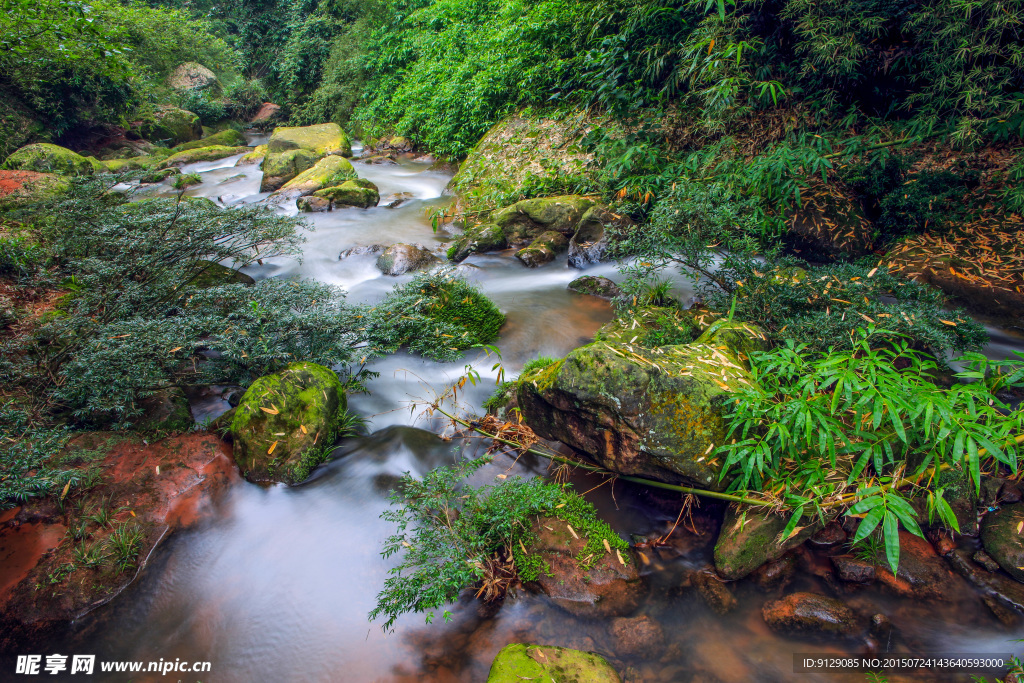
(478, 239)
(399, 259)
(43, 157)
(589, 242)
(331, 171)
(292, 150)
(1002, 540)
(124, 165)
(543, 249)
(170, 125)
(749, 538)
(286, 423)
(600, 287)
(650, 412)
(229, 137)
(356, 192)
(526, 220)
(311, 204)
(518, 662)
(192, 156)
(254, 157)
(193, 76)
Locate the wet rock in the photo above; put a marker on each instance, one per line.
(749, 539)
(714, 591)
(997, 586)
(542, 249)
(46, 158)
(960, 494)
(191, 156)
(854, 569)
(776, 573)
(1002, 540)
(267, 112)
(313, 204)
(170, 125)
(361, 251)
(590, 242)
(636, 637)
(229, 137)
(881, 627)
(356, 192)
(524, 221)
(983, 558)
(829, 537)
(290, 151)
(941, 541)
(811, 615)
(1010, 492)
(193, 76)
(395, 200)
(921, 573)
(518, 662)
(595, 286)
(608, 589)
(637, 411)
(286, 423)
(478, 239)
(254, 157)
(399, 259)
(331, 171)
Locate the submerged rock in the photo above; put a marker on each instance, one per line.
(810, 614)
(636, 637)
(1002, 540)
(648, 412)
(357, 192)
(516, 663)
(393, 201)
(290, 151)
(749, 539)
(714, 591)
(595, 286)
(313, 204)
(399, 259)
(542, 249)
(286, 423)
(43, 157)
(609, 588)
(361, 251)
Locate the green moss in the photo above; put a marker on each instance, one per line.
(325, 173)
(162, 174)
(749, 539)
(652, 326)
(478, 239)
(322, 139)
(286, 423)
(225, 138)
(133, 164)
(357, 192)
(187, 180)
(46, 158)
(192, 156)
(517, 663)
(170, 125)
(257, 154)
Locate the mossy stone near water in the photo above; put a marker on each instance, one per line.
(595, 286)
(170, 125)
(161, 175)
(749, 539)
(278, 169)
(330, 171)
(478, 239)
(647, 412)
(526, 220)
(519, 662)
(322, 139)
(652, 326)
(191, 156)
(286, 423)
(543, 249)
(1002, 540)
(810, 615)
(356, 192)
(255, 156)
(131, 164)
(229, 137)
(215, 274)
(43, 157)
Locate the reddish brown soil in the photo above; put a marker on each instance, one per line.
(12, 181)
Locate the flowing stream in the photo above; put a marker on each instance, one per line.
(276, 586)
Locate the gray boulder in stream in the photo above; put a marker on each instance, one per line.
(399, 259)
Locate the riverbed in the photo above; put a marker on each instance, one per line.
(277, 584)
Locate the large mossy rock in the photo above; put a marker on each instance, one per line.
(192, 156)
(330, 171)
(600, 287)
(478, 239)
(229, 137)
(749, 539)
(254, 157)
(518, 662)
(356, 192)
(43, 157)
(650, 412)
(543, 249)
(589, 243)
(292, 150)
(171, 125)
(286, 423)
(652, 326)
(399, 259)
(1002, 540)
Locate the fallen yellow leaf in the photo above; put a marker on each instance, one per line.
(272, 447)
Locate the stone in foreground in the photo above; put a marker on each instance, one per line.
(286, 423)
(810, 615)
(518, 662)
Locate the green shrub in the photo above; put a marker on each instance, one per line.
(452, 536)
(208, 108)
(436, 314)
(186, 180)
